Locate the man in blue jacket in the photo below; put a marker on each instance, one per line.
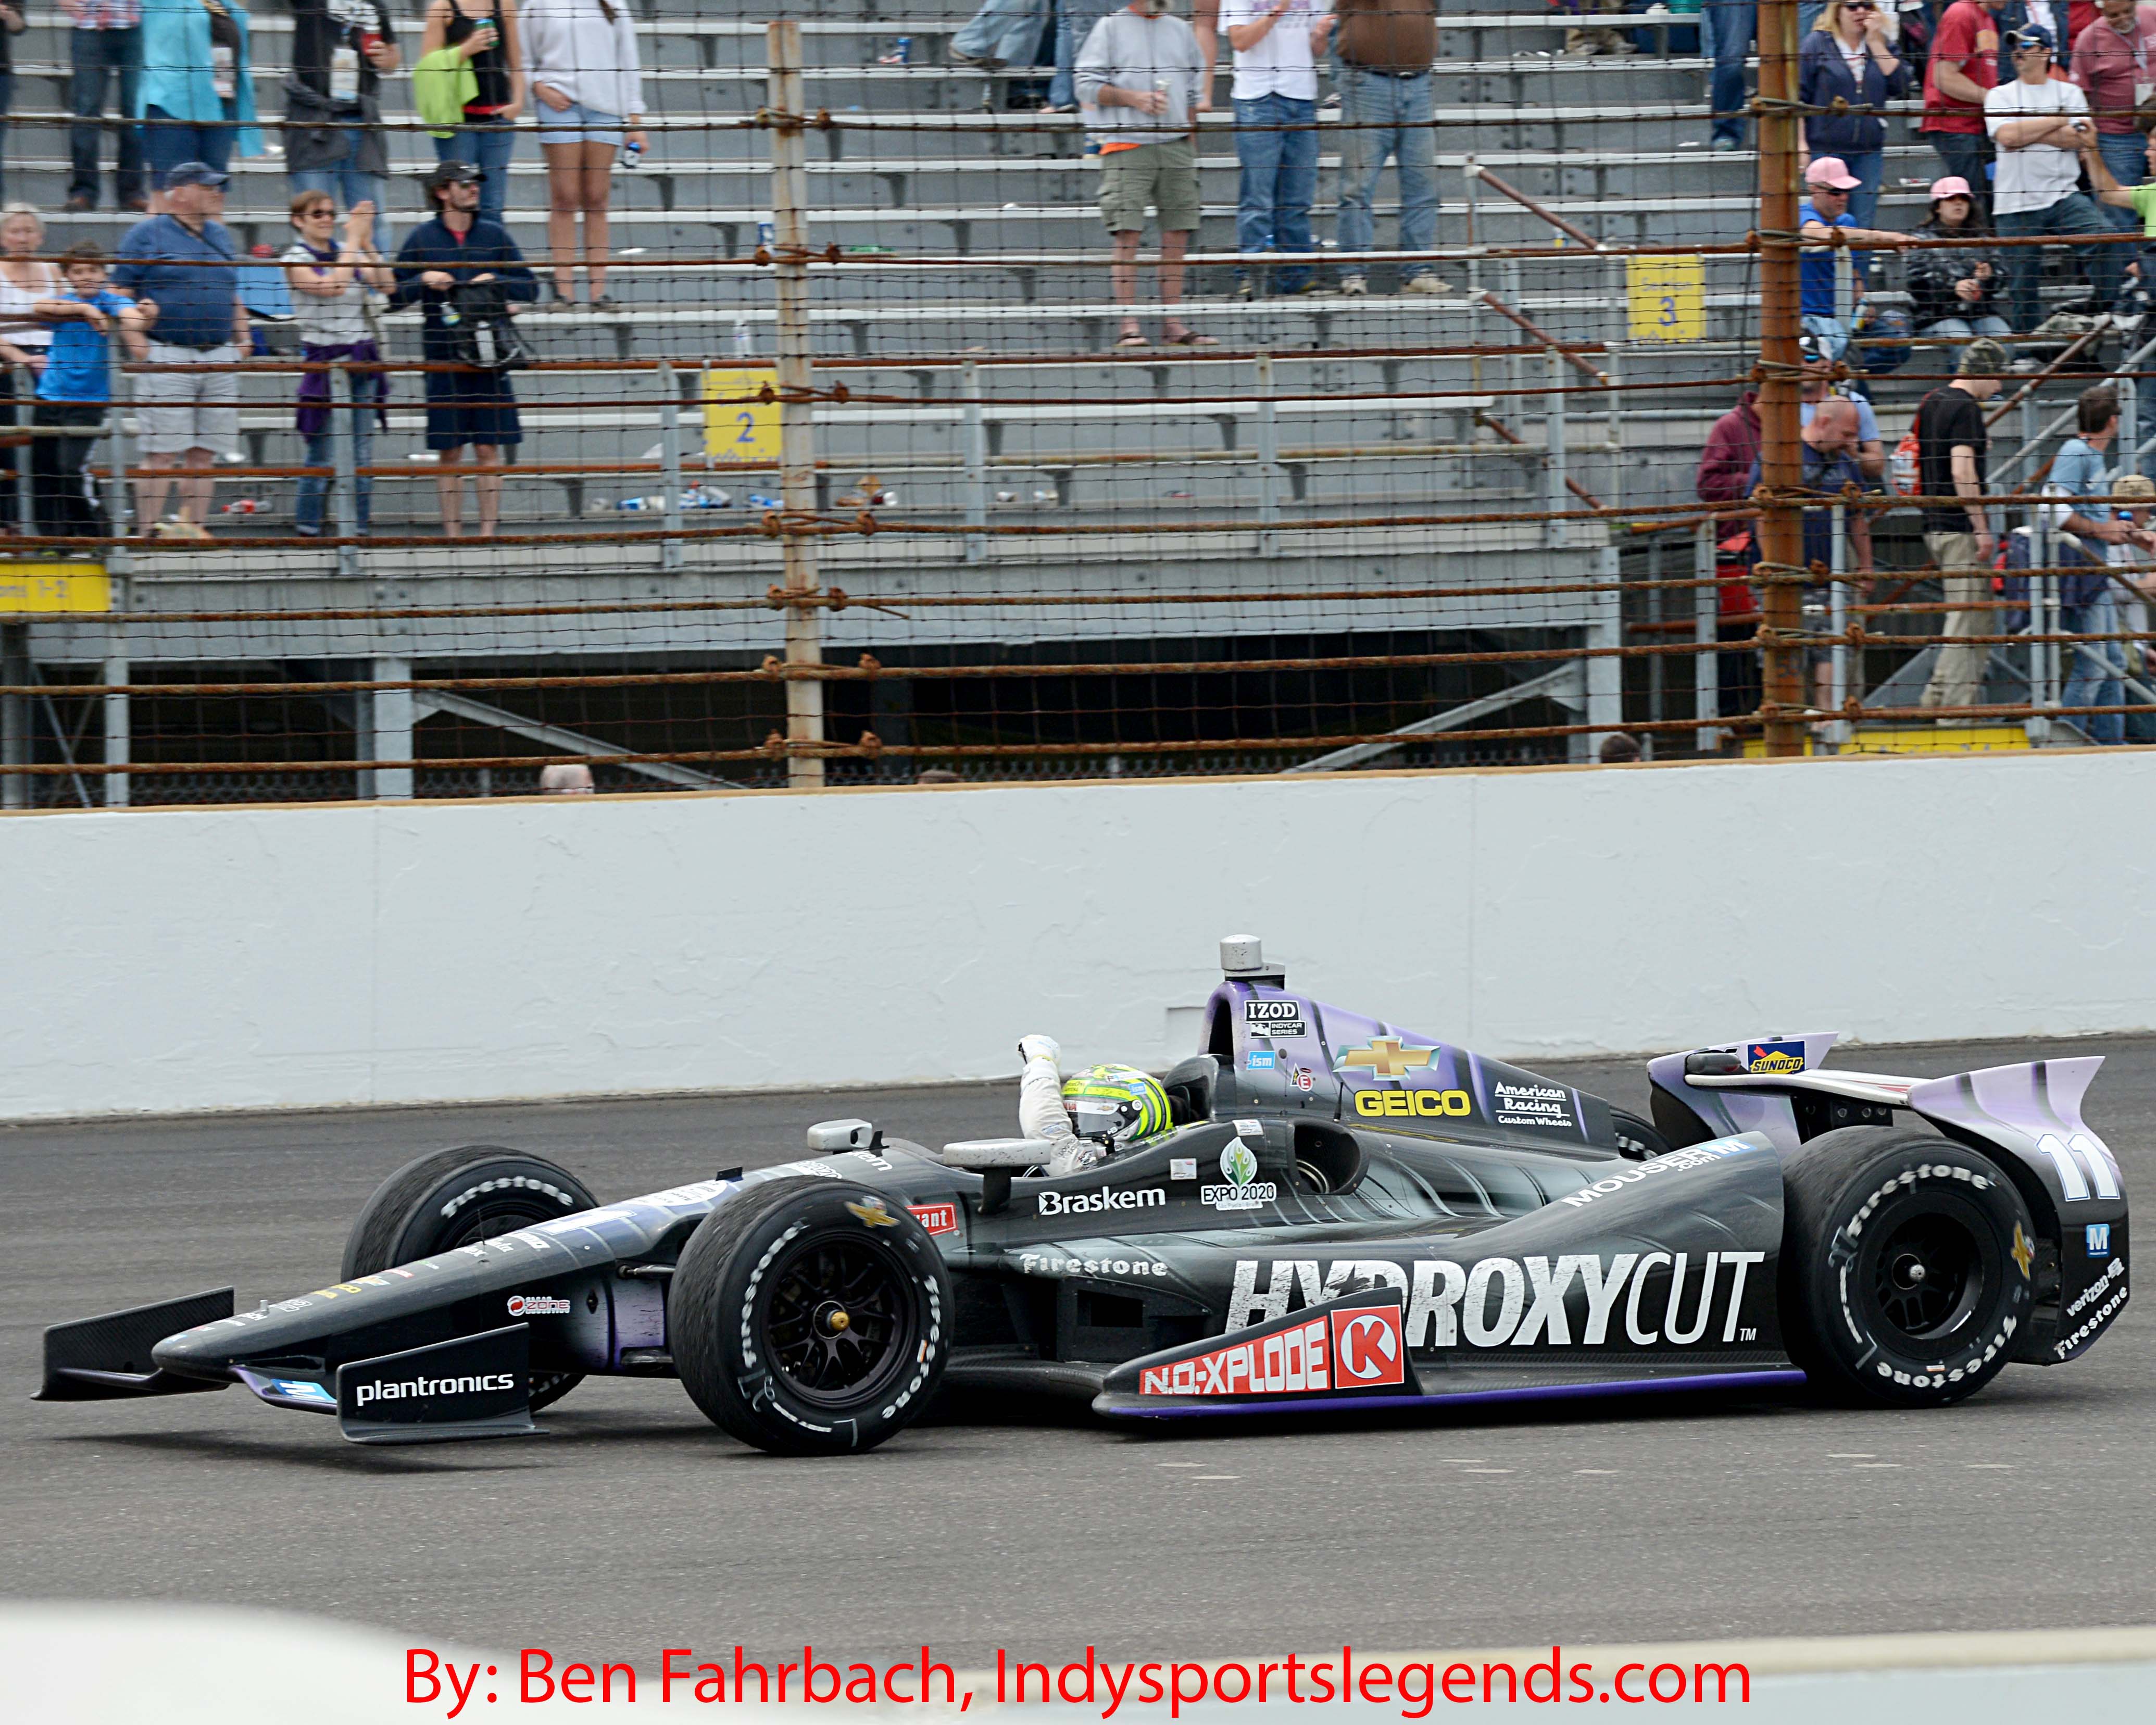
(474, 407)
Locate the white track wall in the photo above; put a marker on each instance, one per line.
(282, 957)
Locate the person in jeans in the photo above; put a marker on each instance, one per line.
(1961, 71)
(1383, 49)
(1074, 22)
(195, 89)
(1275, 92)
(333, 141)
(1002, 33)
(179, 266)
(486, 34)
(1952, 455)
(2087, 603)
(2114, 62)
(1734, 22)
(25, 279)
(2041, 126)
(75, 391)
(587, 95)
(1848, 57)
(104, 47)
(330, 276)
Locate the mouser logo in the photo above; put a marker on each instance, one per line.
(1523, 1303)
(1108, 1198)
(412, 1388)
(1675, 1162)
(537, 1305)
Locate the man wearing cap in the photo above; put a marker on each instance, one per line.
(179, 267)
(1962, 67)
(2041, 126)
(1952, 455)
(2115, 65)
(1825, 210)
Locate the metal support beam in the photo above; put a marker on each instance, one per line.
(975, 454)
(555, 737)
(1562, 683)
(1606, 674)
(797, 434)
(119, 716)
(1269, 467)
(1555, 530)
(393, 718)
(15, 714)
(1706, 630)
(344, 437)
(670, 457)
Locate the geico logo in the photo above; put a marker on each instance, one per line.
(1108, 1198)
(409, 1388)
(1374, 1102)
(1522, 1302)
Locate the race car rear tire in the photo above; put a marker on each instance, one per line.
(1905, 1266)
(810, 1317)
(448, 1199)
(1638, 1140)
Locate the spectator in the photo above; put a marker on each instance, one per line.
(463, 406)
(2115, 65)
(1829, 452)
(1732, 446)
(1383, 49)
(178, 265)
(24, 279)
(1734, 22)
(1620, 748)
(1580, 41)
(1848, 59)
(330, 276)
(2040, 124)
(1073, 22)
(1953, 294)
(1275, 92)
(567, 779)
(1961, 70)
(580, 65)
(74, 392)
(11, 25)
(333, 139)
(1952, 460)
(1002, 33)
(196, 89)
(2091, 531)
(1139, 82)
(1820, 386)
(484, 33)
(104, 47)
(937, 775)
(1825, 209)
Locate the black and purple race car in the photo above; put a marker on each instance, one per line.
(1345, 1216)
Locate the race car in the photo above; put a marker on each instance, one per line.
(1343, 1216)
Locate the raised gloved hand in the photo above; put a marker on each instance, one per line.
(1037, 1047)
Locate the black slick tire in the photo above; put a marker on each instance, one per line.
(1637, 1140)
(1904, 1267)
(448, 1199)
(810, 1317)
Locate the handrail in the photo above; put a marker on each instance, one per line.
(1474, 171)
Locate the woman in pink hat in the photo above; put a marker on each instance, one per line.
(1954, 294)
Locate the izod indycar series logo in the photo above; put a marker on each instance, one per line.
(1244, 1191)
(537, 1305)
(411, 1389)
(1108, 1198)
(1580, 1300)
(1358, 1347)
(1399, 1103)
(1273, 1018)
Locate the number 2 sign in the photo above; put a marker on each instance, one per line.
(738, 426)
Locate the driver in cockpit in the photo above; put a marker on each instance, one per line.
(1088, 1116)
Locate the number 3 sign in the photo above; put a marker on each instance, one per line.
(738, 428)
(1668, 299)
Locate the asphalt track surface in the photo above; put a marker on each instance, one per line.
(636, 1526)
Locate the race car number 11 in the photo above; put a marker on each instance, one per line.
(1273, 1018)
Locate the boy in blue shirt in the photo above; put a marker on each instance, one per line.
(75, 390)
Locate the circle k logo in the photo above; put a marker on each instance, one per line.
(1367, 1348)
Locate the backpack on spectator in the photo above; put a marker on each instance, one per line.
(485, 334)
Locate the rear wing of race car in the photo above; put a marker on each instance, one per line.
(2027, 1117)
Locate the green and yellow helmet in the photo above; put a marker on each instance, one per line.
(1118, 1103)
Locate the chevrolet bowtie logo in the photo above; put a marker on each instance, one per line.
(1384, 1058)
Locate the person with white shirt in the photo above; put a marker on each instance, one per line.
(2041, 125)
(580, 64)
(1276, 94)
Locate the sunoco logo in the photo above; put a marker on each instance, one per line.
(414, 1389)
(1108, 1198)
(537, 1305)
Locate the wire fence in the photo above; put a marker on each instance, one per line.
(838, 440)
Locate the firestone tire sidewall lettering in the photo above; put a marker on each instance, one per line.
(726, 1369)
(1942, 1179)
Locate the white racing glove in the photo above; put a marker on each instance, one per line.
(1040, 1110)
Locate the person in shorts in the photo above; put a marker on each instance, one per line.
(1140, 80)
(588, 97)
(180, 269)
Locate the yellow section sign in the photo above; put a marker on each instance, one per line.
(52, 588)
(1667, 299)
(737, 427)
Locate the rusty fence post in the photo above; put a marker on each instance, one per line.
(1781, 459)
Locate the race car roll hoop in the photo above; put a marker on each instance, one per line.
(1344, 1214)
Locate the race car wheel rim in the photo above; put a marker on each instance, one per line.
(1927, 1277)
(839, 1325)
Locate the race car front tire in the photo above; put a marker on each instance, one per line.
(1904, 1268)
(810, 1317)
(448, 1199)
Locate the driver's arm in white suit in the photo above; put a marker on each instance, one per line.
(1040, 1110)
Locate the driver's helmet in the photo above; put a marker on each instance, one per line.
(1118, 1103)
